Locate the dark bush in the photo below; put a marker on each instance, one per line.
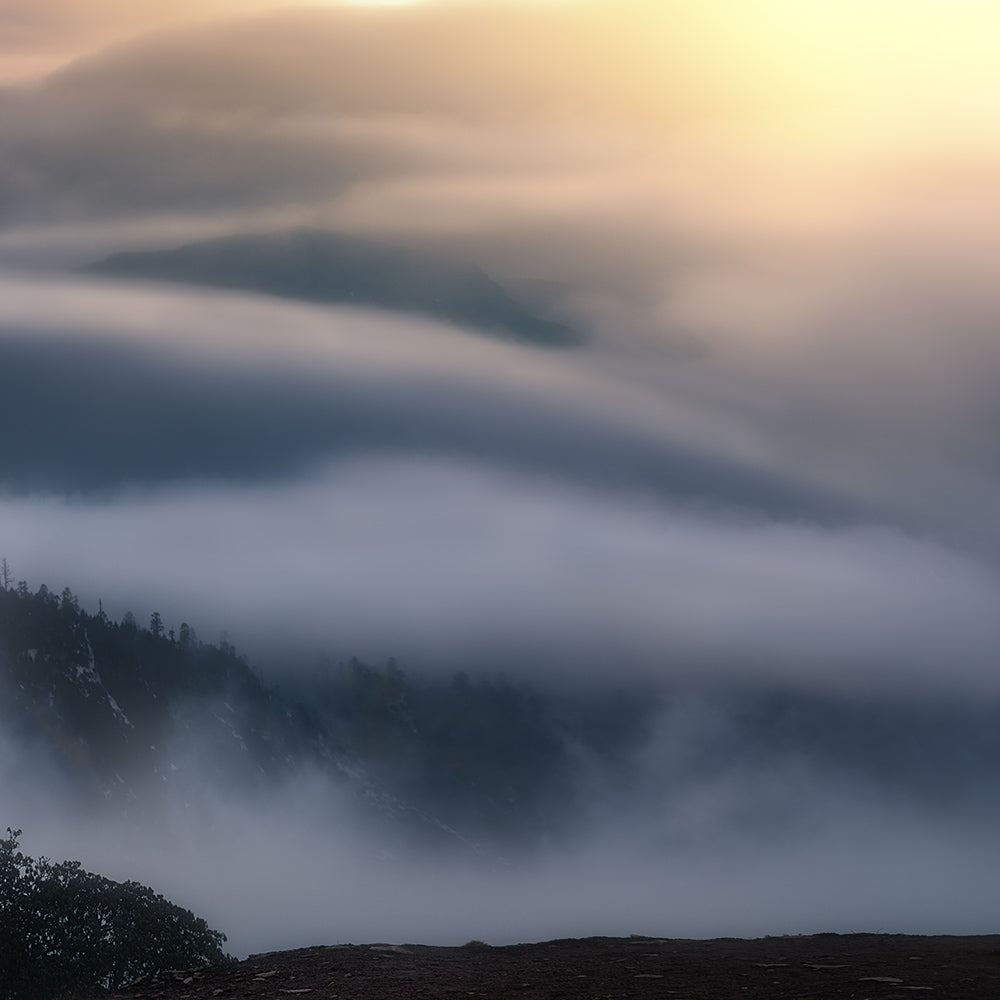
(66, 930)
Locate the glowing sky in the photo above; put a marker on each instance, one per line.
(790, 95)
(917, 43)
(874, 57)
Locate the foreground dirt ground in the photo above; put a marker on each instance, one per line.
(820, 967)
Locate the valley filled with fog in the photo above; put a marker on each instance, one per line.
(580, 476)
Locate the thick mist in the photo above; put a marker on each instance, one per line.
(451, 567)
(771, 851)
(370, 484)
(760, 494)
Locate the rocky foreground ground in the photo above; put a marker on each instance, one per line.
(819, 967)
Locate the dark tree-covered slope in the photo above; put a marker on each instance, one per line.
(128, 713)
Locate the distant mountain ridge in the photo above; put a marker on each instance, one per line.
(315, 265)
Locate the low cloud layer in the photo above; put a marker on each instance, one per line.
(448, 566)
(384, 486)
(199, 396)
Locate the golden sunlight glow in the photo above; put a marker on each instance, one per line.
(906, 66)
(897, 51)
(927, 47)
(896, 68)
(890, 74)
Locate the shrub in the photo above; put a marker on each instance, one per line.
(64, 929)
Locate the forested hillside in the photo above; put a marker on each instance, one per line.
(135, 715)
(128, 712)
